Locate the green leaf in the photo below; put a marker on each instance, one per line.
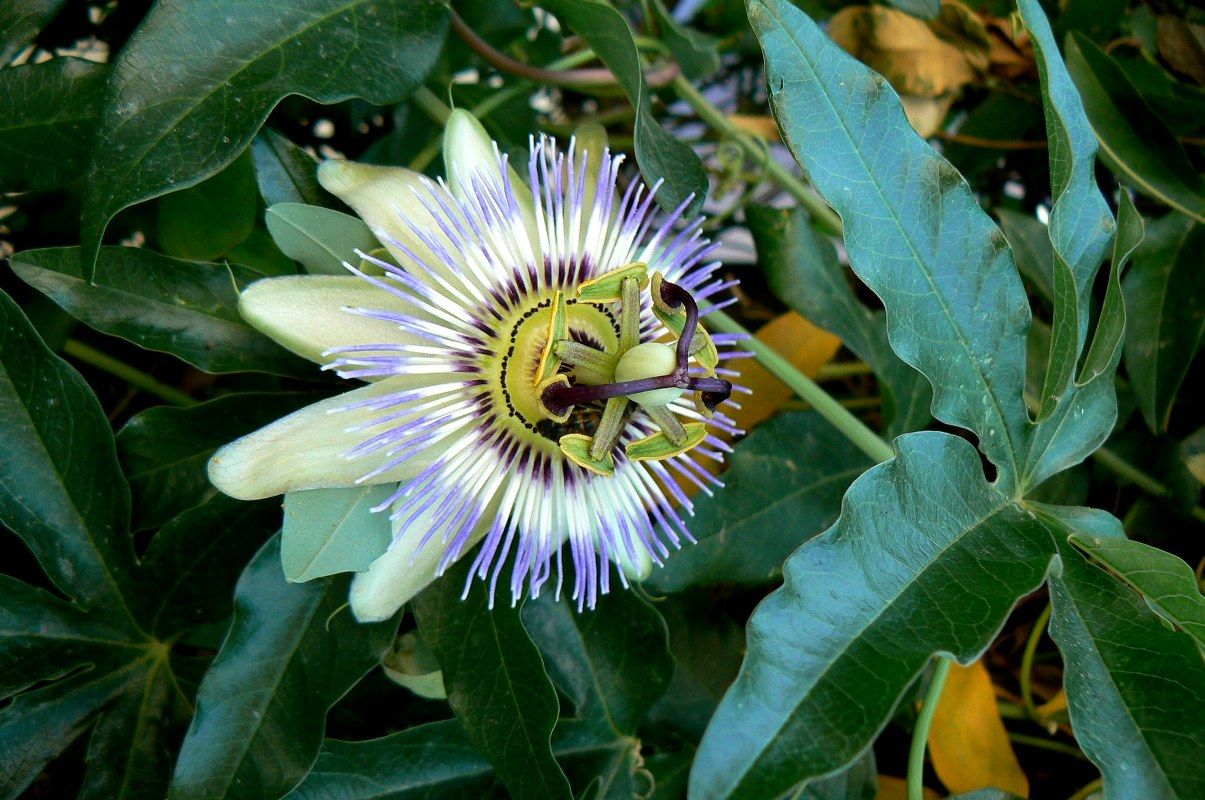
(1166, 583)
(661, 155)
(20, 22)
(613, 662)
(169, 129)
(697, 53)
(328, 531)
(61, 489)
(435, 761)
(1139, 147)
(1080, 224)
(193, 561)
(913, 231)
(1105, 351)
(47, 114)
(889, 565)
(802, 269)
(180, 307)
(293, 650)
(65, 666)
(285, 172)
(858, 781)
(320, 238)
(1134, 687)
(1166, 290)
(783, 486)
(497, 685)
(164, 449)
(211, 218)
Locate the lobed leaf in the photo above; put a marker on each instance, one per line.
(926, 557)
(20, 21)
(226, 66)
(210, 219)
(802, 269)
(293, 650)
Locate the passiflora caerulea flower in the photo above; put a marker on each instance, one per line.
(535, 371)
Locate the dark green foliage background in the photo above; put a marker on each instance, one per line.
(1037, 394)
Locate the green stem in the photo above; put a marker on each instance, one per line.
(843, 369)
(1046, 744)
(760, 155)
(825, 405)
(1124, 469)
(1031, 648)
(920, 734)
(91, 356)
(431, 105)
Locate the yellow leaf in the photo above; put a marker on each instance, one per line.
(891, 788)
(760, 125)
(807, 347)
(968, 744)
(928, 59)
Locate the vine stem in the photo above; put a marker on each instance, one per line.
(1031, 648)
(920, 734)
(825, 405)
(759, 154)
(103, 361)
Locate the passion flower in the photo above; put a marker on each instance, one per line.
(535, 370)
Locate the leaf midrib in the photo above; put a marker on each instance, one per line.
(1004, 503)
(1005, 427)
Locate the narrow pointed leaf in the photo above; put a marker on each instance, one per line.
(1166, 583)
(1166, 290)
(1136, 142)
(435, 761)
(497, 685)
(1080, 226)
(889, 564)
(61, 488)
(1134, 687)
(284, 172)
(180, 307)
(661, 155)
(293, 650)
(222, 85)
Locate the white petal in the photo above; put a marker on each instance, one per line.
(384, 197)
(398, 575)
(469, 152)
(306, 313)
(306, 449)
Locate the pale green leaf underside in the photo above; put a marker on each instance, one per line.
(320, 238)
(327, 531)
